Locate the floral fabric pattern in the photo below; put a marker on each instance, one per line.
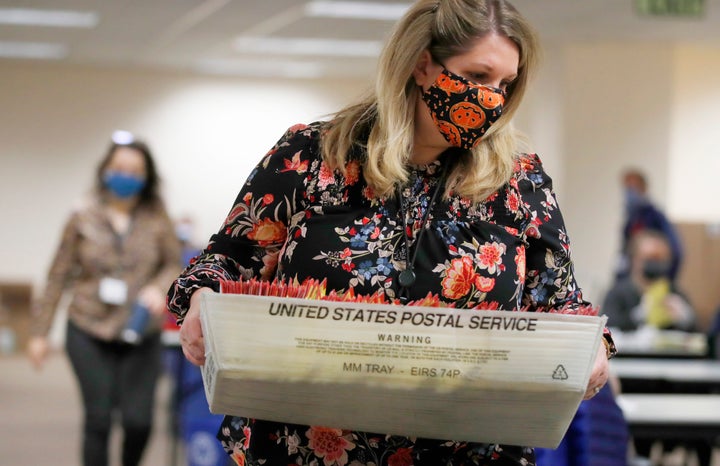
(295, 218)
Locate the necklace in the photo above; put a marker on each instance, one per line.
(407, 277)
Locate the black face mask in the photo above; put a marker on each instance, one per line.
(463, 110)
(655, 269)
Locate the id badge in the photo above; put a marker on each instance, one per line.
(113, 291)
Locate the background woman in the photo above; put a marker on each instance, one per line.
(117, 254)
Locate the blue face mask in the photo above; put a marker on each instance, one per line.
(633, 200)
(123, 185)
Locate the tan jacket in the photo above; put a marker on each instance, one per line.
(91, 250)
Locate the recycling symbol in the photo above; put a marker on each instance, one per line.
(560, 373)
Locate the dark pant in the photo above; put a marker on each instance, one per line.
(115, 378)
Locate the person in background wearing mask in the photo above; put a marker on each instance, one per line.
(184, 229)
(648, 296)
(117, 255)
(642, 214)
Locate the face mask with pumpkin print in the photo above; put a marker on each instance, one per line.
(463, 110)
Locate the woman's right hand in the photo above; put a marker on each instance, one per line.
(191, 337)
(38, 349)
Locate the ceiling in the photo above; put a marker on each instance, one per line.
(203, 35)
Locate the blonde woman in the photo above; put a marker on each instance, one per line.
(419, 188)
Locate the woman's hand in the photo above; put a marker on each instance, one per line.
(600, 373)
(191, 337)
(38, 349)
(154, 299)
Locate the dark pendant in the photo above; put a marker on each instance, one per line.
(407, 278)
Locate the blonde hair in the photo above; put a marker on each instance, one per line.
(386, 115)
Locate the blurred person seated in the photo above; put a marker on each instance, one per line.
(648, 297)
(597, 436)
(642, 214)
(573, 449)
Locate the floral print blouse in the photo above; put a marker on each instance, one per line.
(295, 218)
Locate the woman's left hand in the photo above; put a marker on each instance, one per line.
(600, 373)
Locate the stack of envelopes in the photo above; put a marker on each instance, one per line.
(432, 372)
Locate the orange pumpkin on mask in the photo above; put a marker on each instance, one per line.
(467, 115)
(490, 99)
(451, 133)
(449, 85)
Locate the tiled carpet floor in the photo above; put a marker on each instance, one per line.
(40, 417)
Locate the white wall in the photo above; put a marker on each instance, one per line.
(206, 133)
(693, 189)
(540, 117)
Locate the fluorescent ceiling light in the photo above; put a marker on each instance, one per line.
(37, 50)
(298, 46)
(264, 68)
(54, 18)
(356, 10)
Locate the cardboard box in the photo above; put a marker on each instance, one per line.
(15, 316)
(487, 376)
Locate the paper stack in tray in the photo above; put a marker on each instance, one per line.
(487, 376)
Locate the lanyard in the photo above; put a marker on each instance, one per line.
(119, 241)
(407, 277)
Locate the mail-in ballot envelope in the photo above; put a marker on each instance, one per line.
(433, 372)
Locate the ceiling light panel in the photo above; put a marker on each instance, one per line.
(302, 46)
(264, 68)
(51, 18)
(33, 50)
(356, 10)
